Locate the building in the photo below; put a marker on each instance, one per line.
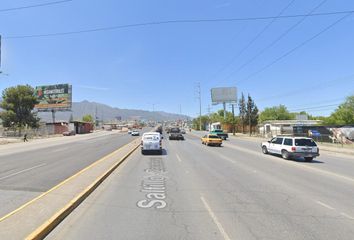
(285, 127)
(56, 127)
(81, 127)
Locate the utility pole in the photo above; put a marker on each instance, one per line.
(233, 119)
(208, 109)
(249, 119)
(200, 105)
(53, 116)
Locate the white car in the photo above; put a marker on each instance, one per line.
(292, 147)
(135, 133)
(130, 131)
(151, 142)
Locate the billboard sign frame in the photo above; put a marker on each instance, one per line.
(223, 95)
(57, 97)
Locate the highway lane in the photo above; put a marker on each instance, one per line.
(215, 193)
(328, 161)
(27, 173)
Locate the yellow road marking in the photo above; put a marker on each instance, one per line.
(63, 182)
(60, 215)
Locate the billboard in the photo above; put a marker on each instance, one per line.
(224, 95)
(54, 97)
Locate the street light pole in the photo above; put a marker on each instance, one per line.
(200, 106)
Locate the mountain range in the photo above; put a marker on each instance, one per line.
(108, 113)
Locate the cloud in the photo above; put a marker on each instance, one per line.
(93, 88)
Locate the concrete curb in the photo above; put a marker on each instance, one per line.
(37, 217)
(48, 226)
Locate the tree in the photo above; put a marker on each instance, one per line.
(251, 113)
(18, 104)
(275, 113)
(87, 118)
(344, 114)
(204, 119)
(242, 109)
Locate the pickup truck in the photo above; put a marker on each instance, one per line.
(220, 133)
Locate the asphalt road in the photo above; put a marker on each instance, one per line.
(28, 169)
(233, 192)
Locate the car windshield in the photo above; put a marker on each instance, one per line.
(305, 142)
(213, 136)
(151, 137)
(174, 130)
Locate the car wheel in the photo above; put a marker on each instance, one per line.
(160, 152)
(143, 152)
(308, 159)
(219, 145)
(207, 144)
(264, 150)
(285, 154)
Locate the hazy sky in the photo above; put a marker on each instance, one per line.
(160, 64)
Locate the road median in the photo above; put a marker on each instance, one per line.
(35, 219)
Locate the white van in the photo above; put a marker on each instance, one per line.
(151, 142)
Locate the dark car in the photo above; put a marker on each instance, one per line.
(175, 134)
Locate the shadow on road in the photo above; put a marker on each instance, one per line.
(156, 153)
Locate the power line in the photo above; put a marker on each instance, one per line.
(332, 101)
(254, 39)
(316, 107)
(278, 39)
(298, 46)
(33, 6)
(185, 21)
(314, 87)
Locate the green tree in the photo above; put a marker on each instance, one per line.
(87, 118)
(344, 114)
(18, 104)
(205, 121)
(275, 113)
(242, 114)
(251, 113)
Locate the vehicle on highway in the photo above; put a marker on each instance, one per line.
(292, 147)
(69, 133)
(130, 131)
(211, 140)
(220, 133)
(183, 131)
(175, 134)
(135, 133)
(151, 142)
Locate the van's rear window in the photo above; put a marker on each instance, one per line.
(305, 142)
